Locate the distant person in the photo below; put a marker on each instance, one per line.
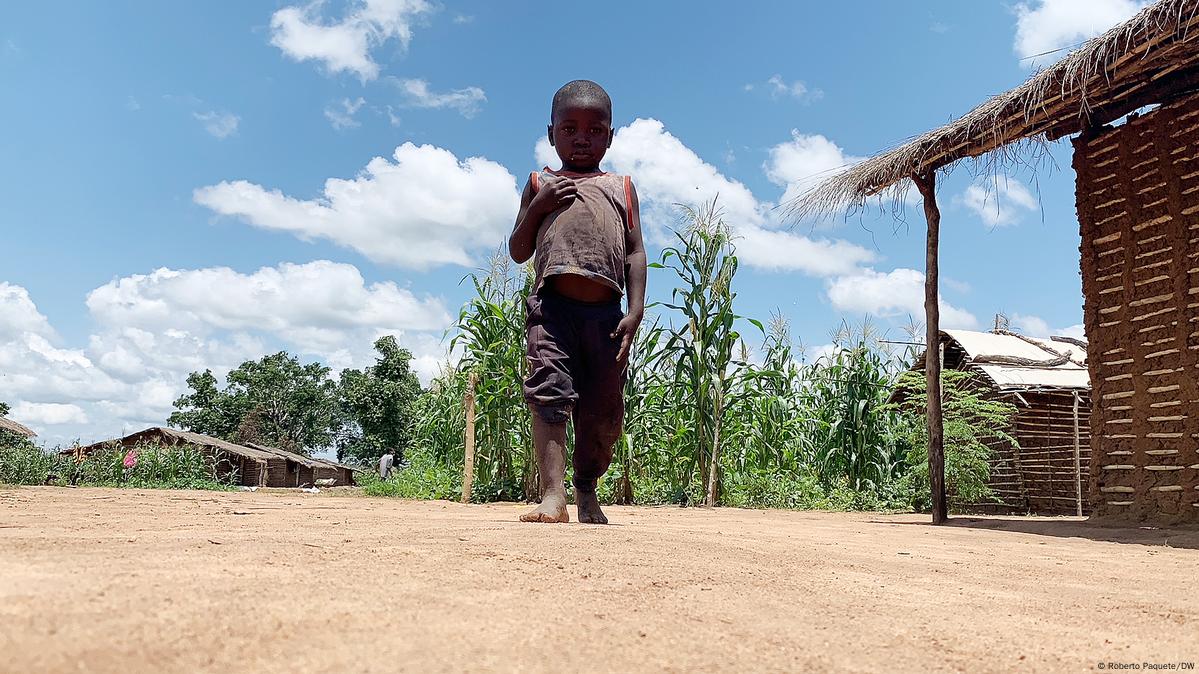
(386, 463)
(582, 224)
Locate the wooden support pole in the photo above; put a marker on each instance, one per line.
(1077, 462)
(927, 184)
(468, 462)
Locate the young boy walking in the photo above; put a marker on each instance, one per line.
(583, 226)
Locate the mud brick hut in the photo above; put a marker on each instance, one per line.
(11, 426)
(1047, 381)
(304, 471)
(1138, 209)
(255, 468)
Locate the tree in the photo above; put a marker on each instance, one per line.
(973, 423)
(3, 408)
(378, 404)
(208, 410)
(272, 401)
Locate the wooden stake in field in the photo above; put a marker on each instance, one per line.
(468, 463)
(927, 184)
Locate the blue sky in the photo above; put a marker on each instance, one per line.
(188, 187)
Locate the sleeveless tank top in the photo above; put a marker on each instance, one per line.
(587, 237)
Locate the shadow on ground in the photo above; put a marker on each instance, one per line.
(1175, 537)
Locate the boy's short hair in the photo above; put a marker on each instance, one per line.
(583, 93)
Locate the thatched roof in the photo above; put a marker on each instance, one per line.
(1148, 59)
(13, 427)
(174, 436)
(307, 461)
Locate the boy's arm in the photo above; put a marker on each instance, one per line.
(534, 206)
(635, 273)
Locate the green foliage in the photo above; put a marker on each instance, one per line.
(423, 478)
(700, 350)
(273, 401)
(491, 334)
(849, 421)
(4, 408)
(378, 405)
(156, 467)
(23, 462)
(972, 424)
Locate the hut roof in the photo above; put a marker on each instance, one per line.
(1147, 59)
(309, 461)
(13, 427)
(1018, 363)
(188, 437)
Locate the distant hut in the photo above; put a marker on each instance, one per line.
(254, 467)
(1137, 199)
(304, 471)
(1048, 383)
(11, 426)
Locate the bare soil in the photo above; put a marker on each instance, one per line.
(97, 580)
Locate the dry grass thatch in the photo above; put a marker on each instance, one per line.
(1147, 59)
(174, 436)
(13, 427)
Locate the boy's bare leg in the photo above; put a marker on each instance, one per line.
(550, 442)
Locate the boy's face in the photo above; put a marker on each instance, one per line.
(581, 135)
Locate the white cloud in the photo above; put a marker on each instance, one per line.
(392, 117)
(424, 210)
(895, 293)
(780, 88)
(341, 114)
(218, 124)
(777, 250)
(310, 305)
(999, 200)
(345, 45)
(803, 162)
(667, 172)
(1035, 326)
(1050, 25)
(132, 104)
(152, 329)
(418, 95)
(19, 315)
(49, 414)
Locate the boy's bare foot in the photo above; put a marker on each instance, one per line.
(589, 508)
(551, 510)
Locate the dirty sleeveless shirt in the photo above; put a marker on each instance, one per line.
(587, 236)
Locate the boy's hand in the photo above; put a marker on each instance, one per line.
(554, 194)
(625, 331)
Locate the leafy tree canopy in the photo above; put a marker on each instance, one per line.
(274, 401)
(378, 404)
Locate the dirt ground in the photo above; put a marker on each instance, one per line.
(97, 580)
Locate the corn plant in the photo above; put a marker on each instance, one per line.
(702, 347)
(491, 332)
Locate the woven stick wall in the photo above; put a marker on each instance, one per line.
(1045, 460)
(1138, 208)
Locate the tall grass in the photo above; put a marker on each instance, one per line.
(707, 419)
(152, 466)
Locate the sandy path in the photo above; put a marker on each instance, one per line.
(130, 581)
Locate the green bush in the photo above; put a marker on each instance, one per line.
(22, 462)
(156, 467)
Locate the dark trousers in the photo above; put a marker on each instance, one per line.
(573, 371)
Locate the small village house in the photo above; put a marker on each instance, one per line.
(1046, 380)
(1138, 211)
